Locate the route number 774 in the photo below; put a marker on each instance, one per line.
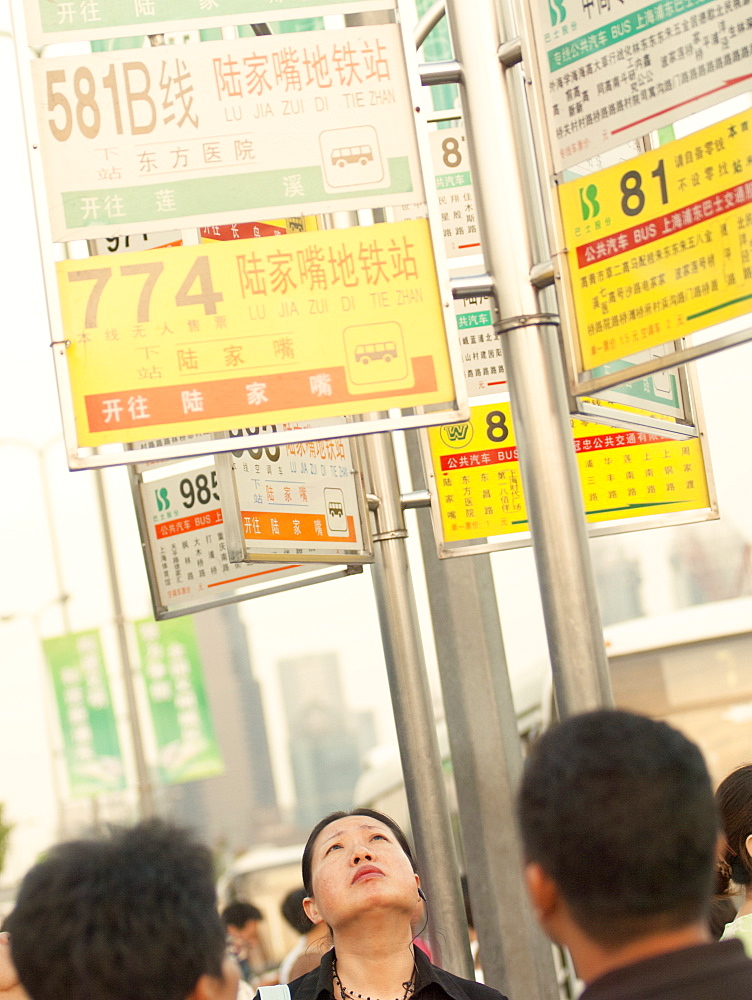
(199, 273)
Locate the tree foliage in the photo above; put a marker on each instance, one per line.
(5, 832)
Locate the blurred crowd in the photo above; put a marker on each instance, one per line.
(633, 866)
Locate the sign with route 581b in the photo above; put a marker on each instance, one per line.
(660, 246)
(70, 20)
(226, 131)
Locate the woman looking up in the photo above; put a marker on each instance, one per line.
(734, 799)
(359, 874)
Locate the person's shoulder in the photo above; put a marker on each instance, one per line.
(459, 988)
(475, 990)
(311, 984)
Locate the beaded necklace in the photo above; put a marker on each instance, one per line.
(346, 994)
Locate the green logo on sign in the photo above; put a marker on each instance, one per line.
(163, 500)
(456, 435)
(557, 11)
(589, 201)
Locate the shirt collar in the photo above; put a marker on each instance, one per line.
(425, 975)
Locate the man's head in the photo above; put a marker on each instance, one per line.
(241, 921)
(131, 914)
(618, 821)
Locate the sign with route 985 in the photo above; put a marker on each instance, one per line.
(185, 545)
(660, 246)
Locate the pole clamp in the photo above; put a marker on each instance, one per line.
(385, 536)
(518, 322)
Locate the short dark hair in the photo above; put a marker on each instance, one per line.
(132, 913)
(341, 814)
(734, 799)
(293, 912)
(618, 810)
(239, 913)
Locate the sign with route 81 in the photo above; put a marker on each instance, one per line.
(659, 247)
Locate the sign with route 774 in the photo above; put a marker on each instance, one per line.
(194, 339)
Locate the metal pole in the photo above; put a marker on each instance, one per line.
(145, 794)
(534, 370)
(413, 716)
(487, 762)
(408, 684)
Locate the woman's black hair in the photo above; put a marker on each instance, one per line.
(734, 801)
(341, 814)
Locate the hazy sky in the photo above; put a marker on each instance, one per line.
(340, 616)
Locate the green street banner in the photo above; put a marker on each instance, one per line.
(87, 721)
(186, 745)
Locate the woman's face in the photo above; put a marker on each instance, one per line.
(357, 866)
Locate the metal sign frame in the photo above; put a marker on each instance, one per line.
(110, 455)
(250, 583)
(241, 549)
(606, 48)
(245, 12)
(449, 550)
(582, 382)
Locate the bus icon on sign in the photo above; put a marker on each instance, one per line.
(352, 158)
(352, 154)
(334, 509)
(384, 351)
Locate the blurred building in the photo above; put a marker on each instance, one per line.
(237, 809)
(327, 740)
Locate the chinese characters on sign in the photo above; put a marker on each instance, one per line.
(302, 500)
(623, 474)
(456, 198)
(242, 333)
(68, 20)
(185, 545)
(459, 220)
(661, 246)
(482, 357)
(223, 132)
(611, 73)
(87, 719)
(171, 667)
